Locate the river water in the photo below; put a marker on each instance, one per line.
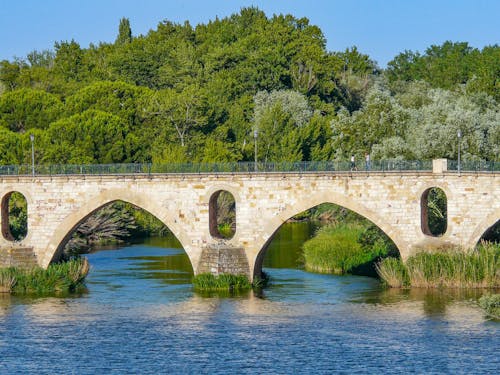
(140, 315)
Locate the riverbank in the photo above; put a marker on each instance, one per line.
(58, 278)
(478, 268)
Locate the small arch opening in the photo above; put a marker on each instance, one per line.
(222, 215)
(14, 216)
(434, 212)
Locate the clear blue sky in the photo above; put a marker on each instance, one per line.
(380, 28)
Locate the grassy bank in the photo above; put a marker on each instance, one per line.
(344, 248)
(451, 269)
(57, 278)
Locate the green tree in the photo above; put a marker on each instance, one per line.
(124, 32)
(89, 137)
(278, 118)
(25, 109)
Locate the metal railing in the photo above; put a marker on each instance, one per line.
(236, 167)
(474, 166)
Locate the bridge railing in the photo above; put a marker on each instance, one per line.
(474, 166)
(242, 167)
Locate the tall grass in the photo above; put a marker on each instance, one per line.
(57, 278)
(337, 249)
(452, 269)
(223, 282)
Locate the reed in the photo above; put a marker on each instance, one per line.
(57, 278)
(223, 282)
(451, 269)
(7, 280)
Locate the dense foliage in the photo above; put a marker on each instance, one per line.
(183, 93)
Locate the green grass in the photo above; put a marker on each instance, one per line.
(451, 269)
(339, 249)
(207, 282)
(491, 304)
(57, 278)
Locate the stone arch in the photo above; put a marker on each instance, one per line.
(67, 226)
(256, 257)
(5, 213)
(487, 223)
(424, 212)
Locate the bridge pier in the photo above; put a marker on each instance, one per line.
(219, 258)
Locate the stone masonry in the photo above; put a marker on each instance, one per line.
(264, 201)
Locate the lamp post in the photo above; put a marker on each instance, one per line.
(459, 134)
(32, 138)
(255, 135)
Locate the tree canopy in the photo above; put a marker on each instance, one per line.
(197, 93)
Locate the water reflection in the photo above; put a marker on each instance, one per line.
(140, 315)
(285, 249)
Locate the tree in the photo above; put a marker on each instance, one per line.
(124, 32)
(10, 72)
(11, 150)
(118, 98)
(25, 109)
(182, 112)
(89, 137)
(68, 62)
(278, 117)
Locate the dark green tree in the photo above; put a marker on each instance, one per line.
(124, 32)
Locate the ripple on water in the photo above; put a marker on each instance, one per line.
(138, 317)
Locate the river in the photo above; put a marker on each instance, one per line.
(140, 315)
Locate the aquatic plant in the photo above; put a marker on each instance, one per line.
(224, 281)
(491, 304)
(7, 280)
(393, 272)
(450, 269)
(57, 278)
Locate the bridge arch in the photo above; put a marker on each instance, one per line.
(71, 222)
(256, 258)
(487, 223)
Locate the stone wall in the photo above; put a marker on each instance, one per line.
(222, 258)
(20, 257)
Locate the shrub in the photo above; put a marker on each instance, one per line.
(491, 304)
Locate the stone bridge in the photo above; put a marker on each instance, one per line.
(394, 201)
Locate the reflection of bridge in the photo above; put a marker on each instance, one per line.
(393, 200)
